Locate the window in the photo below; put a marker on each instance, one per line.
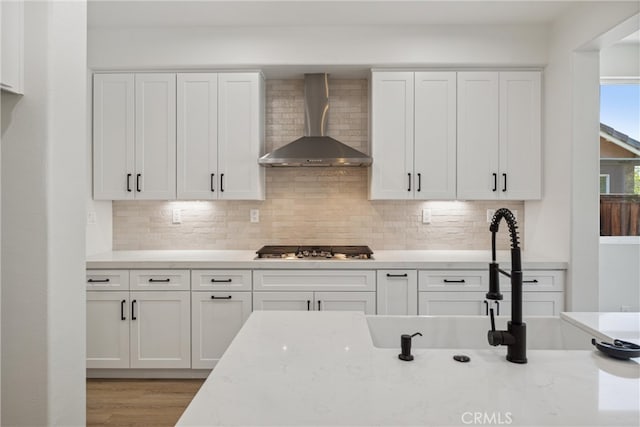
(604, 183)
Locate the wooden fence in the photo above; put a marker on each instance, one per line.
(619, 215)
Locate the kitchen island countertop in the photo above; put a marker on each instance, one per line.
(321, 368)
(607, 326)
(383, 259)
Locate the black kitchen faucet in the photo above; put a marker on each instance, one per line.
(515, 337)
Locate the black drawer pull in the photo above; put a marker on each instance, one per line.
(159, 280)
(212, 175)
(308, 305)
(122, 303)
(133, 311)
(396, 275)
(409, 189)
(504, 188)
(486, 308)
(454, 281)
(98, 280)
(220, 280)
(319, 307)
(222, 182)
(215, 297)
(419, 182)
(495, 182)
(129, 182)
(138, 182)
(497, 308)
(530, 281)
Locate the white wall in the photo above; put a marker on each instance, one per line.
(564, 225)
(43, 187)
(620, 61)
(620, 273)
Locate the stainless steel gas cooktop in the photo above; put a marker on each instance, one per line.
(315, 252)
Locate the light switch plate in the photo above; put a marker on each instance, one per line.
(177, 216)
(426, 216)
(254, 215)
(92, 218)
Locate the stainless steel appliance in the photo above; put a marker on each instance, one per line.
(315, 252)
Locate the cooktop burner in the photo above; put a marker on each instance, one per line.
(315, 252)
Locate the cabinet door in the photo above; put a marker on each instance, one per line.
(107, 329)
(216, 318)
(221, 280)
(296, 301)
(478, 154)
(160, 329)
(155, 145)
(346, 301)
(240, 136)
(197, 124)
(160, 280)
(392, 135)
(520, 126)
(435, 136)
(12, 45)
(542, 303)
(113, 137)
(397, 292)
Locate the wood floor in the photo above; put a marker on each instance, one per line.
(138, 402)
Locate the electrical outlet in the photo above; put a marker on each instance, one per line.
(426, 216)
(177, 216)
(92, 218)
(490, 214)
(254, 215)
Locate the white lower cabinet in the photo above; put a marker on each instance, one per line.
(216, 318)
(107, 329)
(316, 301)
(397, 292)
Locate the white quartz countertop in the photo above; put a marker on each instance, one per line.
(607, 326)
(321, 368)
(415, 259)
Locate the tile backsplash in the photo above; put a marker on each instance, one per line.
(309, 205)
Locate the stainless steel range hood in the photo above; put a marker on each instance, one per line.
(315, 148)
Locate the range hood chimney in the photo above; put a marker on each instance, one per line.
(315, 148)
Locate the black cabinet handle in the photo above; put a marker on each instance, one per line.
(133, 310)
(122, 303)
(504, 176)
(138, 182)
(396, 275)
(222, 183)
(220, 280)
(319, 307)
(308, 305)
(419, 182)
(212, 175)
(454, 281)
(497, 308)
(409, 189)
(495, 182)
(215, 297)
(98, 280)
(129, 182)
(486, 308)
(530, 281)
(159, 280)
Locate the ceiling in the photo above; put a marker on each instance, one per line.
(154, 13)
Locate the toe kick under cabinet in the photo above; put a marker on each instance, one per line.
(315, 290)
(451, 292)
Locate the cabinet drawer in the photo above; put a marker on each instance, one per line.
(540, 281)
(453, 280)
(160, 280)
(310, 280)
(107, 280)
(221, 280)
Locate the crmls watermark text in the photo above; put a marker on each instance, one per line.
(486, 418)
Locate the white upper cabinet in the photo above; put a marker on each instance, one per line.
(155, 145)
(435, 135)
(499, 146)
(413, 135)
(240, 136)
(134, 136)
(113, 136)
(391, 135)
(12, 51)
(198, 136)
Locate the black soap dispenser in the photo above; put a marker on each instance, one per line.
(405, 346)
